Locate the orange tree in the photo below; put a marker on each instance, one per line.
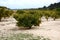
(5, 12)
(27, 19)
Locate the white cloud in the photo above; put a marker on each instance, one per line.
(26, 3)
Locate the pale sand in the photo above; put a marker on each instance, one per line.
(49, 29)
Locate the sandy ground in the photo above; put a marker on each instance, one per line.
(49, 29)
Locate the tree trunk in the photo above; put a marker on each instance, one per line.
(54, 19)
(47, 19)
(29, 27)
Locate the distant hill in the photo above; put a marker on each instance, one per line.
(54, 6)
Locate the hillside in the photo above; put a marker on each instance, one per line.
(54, 6)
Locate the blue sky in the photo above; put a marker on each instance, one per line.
(23, 4)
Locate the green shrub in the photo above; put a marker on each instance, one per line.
(54, 15)
(27, 20)
(20, 11)
(57, 9)
(47, 15)
(4, 12)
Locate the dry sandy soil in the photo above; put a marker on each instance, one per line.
(50, 29)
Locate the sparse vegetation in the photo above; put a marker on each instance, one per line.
(22, 36)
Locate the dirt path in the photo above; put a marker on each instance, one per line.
(50, 29)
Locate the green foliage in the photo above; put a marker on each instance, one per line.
(57, 9)
(58, 12)
(4, 12)
(33, 17)
(47, 15)
(20, 11)
(27, 19)
(54, 15)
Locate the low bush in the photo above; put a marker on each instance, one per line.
(5, 12)
(27, 20)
